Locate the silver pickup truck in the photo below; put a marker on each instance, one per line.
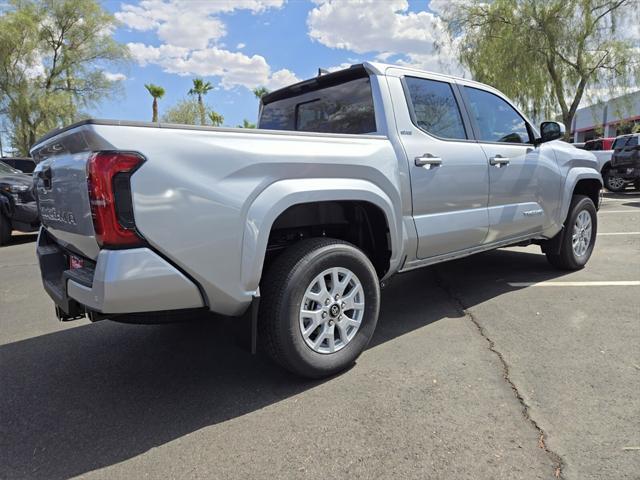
(351, 177)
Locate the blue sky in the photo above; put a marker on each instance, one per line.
(238, 44)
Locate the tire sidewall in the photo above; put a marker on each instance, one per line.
(296, 349)
(583, 204)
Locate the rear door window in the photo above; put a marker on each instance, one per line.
(343, 108)
(434, 108)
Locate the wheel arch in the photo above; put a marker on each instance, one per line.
(580, 180)
(277, 198)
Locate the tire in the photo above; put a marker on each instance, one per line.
(636, 185)
(570, 258)
(288, 286)
(5, 230)
(613, 183)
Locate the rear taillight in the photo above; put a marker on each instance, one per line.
(109, 185)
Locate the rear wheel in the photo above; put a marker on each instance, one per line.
(579, 235)
(5, 230)
(612, 182)
(319, 307)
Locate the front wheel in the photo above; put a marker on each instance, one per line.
(612, 182)
(319, 307)
(579, 235)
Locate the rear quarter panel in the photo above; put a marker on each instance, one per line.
(193, 194)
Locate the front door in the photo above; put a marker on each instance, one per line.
(523, 180)
(448, 170)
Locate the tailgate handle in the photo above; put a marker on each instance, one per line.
(45, 175)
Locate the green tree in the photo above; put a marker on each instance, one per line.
(200, 89)
(260, 92)
(215, 118)
(52, 59)
(187, 111)
(156, 92)
(546, 54)
(247, 124)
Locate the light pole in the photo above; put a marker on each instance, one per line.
(1, 151)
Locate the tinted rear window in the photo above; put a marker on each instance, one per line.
(619, 143)
(343, 108)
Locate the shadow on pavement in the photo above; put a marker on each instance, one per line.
(21, 238)
(95, 395)
(631, 195)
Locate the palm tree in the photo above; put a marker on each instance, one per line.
(260, 92)
(247, 124)
(200, 88)
(156, 92)
(216, 118)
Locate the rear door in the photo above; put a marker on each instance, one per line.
(448, 169)
(524, 181)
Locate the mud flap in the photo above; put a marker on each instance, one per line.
(553, 245)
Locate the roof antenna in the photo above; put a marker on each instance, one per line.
(322, 71)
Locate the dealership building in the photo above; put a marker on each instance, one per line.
(607, 119)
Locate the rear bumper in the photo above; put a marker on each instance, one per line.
(121, 282)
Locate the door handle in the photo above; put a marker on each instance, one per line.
(428, 161)
(499, 161)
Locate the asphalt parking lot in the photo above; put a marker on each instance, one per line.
(473, 373)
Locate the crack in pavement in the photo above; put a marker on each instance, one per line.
(557, 459)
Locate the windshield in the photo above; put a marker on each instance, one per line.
(343, 108)
(7, 170)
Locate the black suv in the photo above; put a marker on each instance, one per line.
(625, 161)
(18, 209)
(25, 165)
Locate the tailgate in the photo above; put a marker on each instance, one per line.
(63, 199)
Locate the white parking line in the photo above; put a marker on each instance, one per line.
(630, 199)
(630, 283)
(600, 212)
(618, 233)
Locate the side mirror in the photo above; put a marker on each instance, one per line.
(550, 131)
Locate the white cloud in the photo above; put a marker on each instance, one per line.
(189, 33)
(189, 30)
(115, 77)
(233, 68)
(151, 14)
(384, 29)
